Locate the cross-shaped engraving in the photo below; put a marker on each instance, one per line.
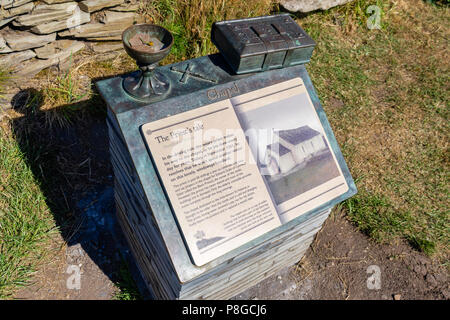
(187, 72)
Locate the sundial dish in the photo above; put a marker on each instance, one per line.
(147, 44)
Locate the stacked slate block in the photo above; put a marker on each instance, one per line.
(143, 207)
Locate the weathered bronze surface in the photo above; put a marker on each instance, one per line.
(263, 43)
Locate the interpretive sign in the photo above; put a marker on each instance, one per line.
(236, 169)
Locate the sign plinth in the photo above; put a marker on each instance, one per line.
(226, 180)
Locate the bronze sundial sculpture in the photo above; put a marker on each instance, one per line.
(147, 44)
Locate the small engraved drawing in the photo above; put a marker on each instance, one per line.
(187, 72)
(204, 242)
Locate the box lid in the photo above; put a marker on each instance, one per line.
(258, 36)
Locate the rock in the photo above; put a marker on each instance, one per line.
(115, 17)
(420, 269)
(3, 46)
(12, 60)
(95, 5)
(74, 254)
(8, 4)
(78, 18)
(397, 296)
(26, 8)
(59, 49)
(6, 21)
(107, 47)
(22, 40)
(65, 65)
(97, 31)
(422, 259)
(42, 7)
(446, 294)
(46, 13)
(107, 56)
(310, 5)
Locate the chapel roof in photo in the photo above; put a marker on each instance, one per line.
(298, 135)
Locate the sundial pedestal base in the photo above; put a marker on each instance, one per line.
(149, 85)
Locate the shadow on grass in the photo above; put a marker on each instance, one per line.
(67, 149)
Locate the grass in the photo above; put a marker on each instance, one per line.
(317, 171)
(4, 78)
(25, 221)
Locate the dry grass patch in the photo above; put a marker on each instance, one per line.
(190, 21)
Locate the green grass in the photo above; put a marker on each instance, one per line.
(126, 287)
(25, 221)
(4, 77)
(386, 95)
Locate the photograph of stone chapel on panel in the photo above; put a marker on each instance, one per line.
(291, 149)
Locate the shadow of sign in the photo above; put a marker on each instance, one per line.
(70, 160)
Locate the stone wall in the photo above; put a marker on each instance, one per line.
(35, 35)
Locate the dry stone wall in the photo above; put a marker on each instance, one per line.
(35, 35)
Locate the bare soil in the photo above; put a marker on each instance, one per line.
(335, 267)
